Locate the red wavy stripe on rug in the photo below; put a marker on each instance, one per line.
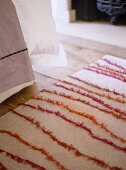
(101, 102)
(2, 167)
(113, 64)
(98, 71)
(66, 146)
(95, 93)
(98, 87)
(41, 150)
(83, 114)
(110, 69)
(77, 124)
(22, 161)
(122, 77)
(85, 102)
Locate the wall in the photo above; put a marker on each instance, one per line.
(62, 10)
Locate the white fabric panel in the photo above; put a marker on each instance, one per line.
(39, 32)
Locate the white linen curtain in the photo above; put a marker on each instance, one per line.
(39, 32)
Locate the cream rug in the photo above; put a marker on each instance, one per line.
(77, 124)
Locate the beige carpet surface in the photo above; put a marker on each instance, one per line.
(77, 124)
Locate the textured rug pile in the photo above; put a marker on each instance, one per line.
(77, 124)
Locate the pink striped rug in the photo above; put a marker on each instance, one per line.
(77, 124)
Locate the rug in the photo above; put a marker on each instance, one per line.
(77, 124)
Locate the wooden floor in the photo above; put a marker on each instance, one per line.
(78, 56)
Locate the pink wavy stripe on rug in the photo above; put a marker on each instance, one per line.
(2, 167)
(85, 102)
(105, 73)
(22, 161)
(83, 114)
(93, 92)
(113, 63)
(109, 69)
(41, 150)
(98, 87)
(101, 102)
(80, 125)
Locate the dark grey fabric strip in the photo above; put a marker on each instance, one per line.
(13, 53)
